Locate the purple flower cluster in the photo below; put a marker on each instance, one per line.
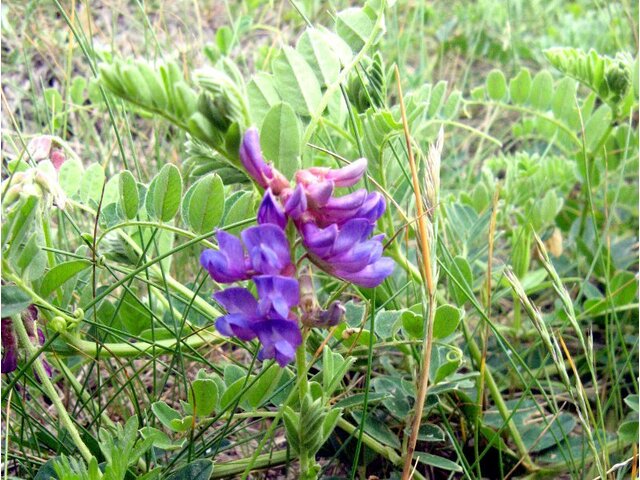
(335, 231)
(262, 255)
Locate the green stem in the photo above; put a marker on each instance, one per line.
(163, 226)
(301, 367)
(236, 467)
(139, 348)
(50, 389)
(497, 398)
(303, 389)
(85, 397)
(517, 316)
(46, 230)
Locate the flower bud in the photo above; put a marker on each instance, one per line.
(618, 80)
(332, 316)
(58, 324)
(29, 317)
(9, 347)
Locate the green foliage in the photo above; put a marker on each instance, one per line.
(609, 78)
(196, 470)
(280, 138)
(296, 81)
(160, 90)
(60, 274)
(520, 86)
(128, 198)
(203, 204)
(496, 85)
(354, 25)
(262, 96)
(445, 321)
(96, 243)
(121, 449)
(164, 194)
(14, 301)
(224, 99)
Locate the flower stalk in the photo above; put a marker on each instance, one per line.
(307, 459)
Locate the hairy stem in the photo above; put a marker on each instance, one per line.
(306, 458)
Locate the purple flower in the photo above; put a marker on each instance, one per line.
(270, 211)
(277, 295)
(322, 207)
(267, 253)
(346, 253)
(269, 319)
(359, 204)
(318, 194)
(279, 339)
(296, 203)
(29, 318)
(9, 347)
(341, 177)
(263, 173)
(333, 315)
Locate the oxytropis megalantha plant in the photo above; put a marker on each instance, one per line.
(336, 235)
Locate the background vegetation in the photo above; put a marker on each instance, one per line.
(534, 365)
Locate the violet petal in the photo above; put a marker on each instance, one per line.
(237, 300)
(277, 294)
(236, 325)
(268, 249)
(252, 159)
(370, 276)
(349, 175)
(297, 203)
(270, 211)
(318, 194)
(279, 338)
